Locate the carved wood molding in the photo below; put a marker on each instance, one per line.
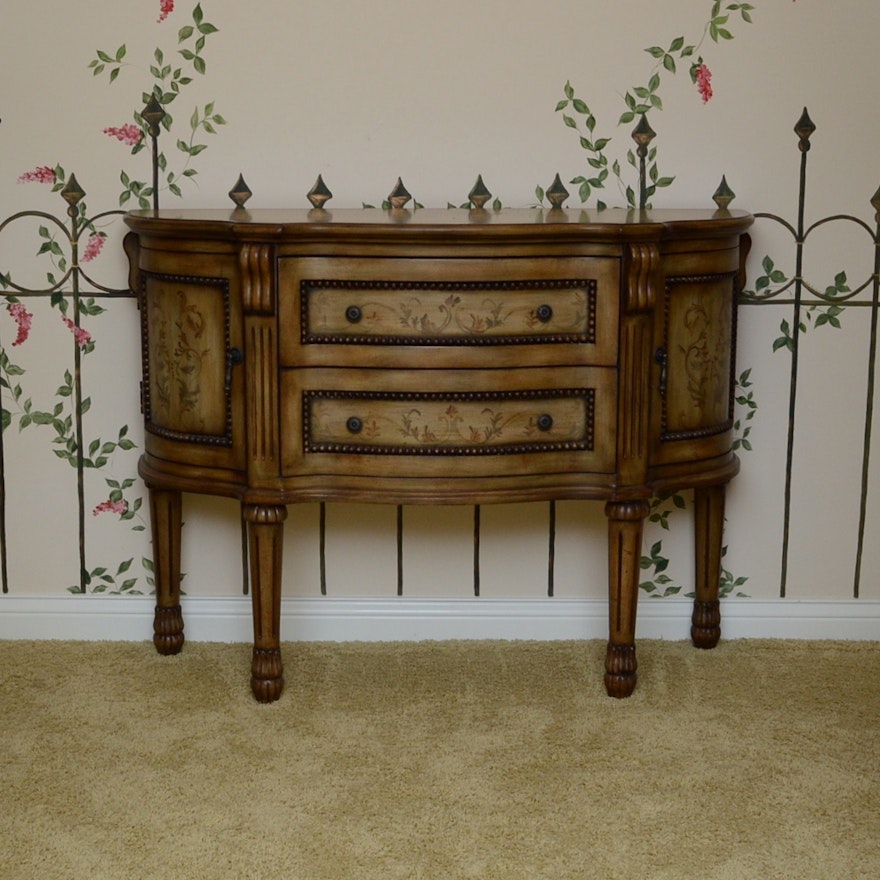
(635, 402)
(642, 267)
(262, 415)
(257, 288)
(265, 514)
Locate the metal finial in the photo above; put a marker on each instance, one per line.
(240, 193)
(803, 129)
(153, 114)
(724, 195)
(479, 195)
(72, 192)
(557, 194)
(643, 134)
(399, 196)
(319, 194)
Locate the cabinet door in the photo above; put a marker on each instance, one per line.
(188, 355)
(695, 360)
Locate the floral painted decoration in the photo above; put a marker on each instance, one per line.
(166, 7)
(23, 318)
(702, 76)
(108, 506)
(129, 134)
(93, 247)
(80, 334)
(40, 174)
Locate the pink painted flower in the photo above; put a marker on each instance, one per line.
(23, 318)
(119, 507)
(166, 7)
(703, 79)
(81, 335)
(93, 247)
(41, 174)
(129, 134)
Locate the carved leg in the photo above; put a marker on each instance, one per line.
(165, 520)
(265, 532)
(708, 528)
(625, 523)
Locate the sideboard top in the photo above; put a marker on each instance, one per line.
(589, 224)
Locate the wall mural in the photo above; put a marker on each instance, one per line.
(68, 247)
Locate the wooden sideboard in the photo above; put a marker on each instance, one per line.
(437, 357)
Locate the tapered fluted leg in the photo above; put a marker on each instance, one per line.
(625, 524)
(165, 519)
(708, 529)
(265, 533)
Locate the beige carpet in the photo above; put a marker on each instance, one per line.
(439, 761)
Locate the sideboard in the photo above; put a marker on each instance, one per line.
(437, 357)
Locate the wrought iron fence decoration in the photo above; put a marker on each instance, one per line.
(769, 289)
(66, 291)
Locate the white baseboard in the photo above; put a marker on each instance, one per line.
(100, 618)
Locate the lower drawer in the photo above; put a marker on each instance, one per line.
(418, 423)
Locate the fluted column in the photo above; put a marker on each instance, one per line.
(265, 533)
(165, 520)
(625, 525)
(708, 528)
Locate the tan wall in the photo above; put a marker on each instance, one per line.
(437, 92)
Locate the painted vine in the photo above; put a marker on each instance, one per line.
(169, 73)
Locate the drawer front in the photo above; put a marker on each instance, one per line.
(454, 423)
(544, 311)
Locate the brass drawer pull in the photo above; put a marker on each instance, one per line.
(545, 422)
(354, 425)
(353, 314)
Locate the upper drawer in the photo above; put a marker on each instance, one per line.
(552, 311)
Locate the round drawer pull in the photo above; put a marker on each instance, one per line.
(353, 314)
(354, 425)
(545, 422)
(544, 313)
